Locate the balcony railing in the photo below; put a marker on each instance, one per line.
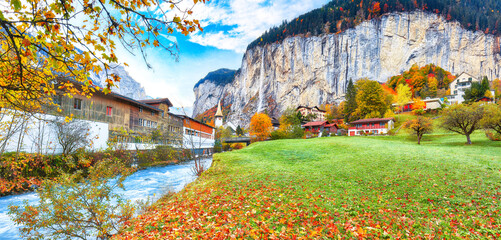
(367, 127)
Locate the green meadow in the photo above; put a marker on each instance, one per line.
(340, 187)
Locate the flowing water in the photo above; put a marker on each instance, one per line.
(147, 184)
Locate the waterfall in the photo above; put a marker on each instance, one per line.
(261, 79)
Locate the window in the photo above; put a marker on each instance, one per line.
(108, 111)
(57, 100)
(77, 104)
(140, 122)
(152, 113)
(140, 109)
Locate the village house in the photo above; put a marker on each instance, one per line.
(320, 126)
(137, 124)
(170, 125)
(315, 111)
(429, 104)
(138, 118)
(459, 85)
(371, 126)
(197, 136)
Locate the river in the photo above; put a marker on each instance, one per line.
(149, 183)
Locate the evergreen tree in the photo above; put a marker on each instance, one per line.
(239, 131)
(477, 90)
(351, 102)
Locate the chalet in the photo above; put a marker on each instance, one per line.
(315, 111)
(429, 104)
(170, 125)
(459, 85)
(320, 126)
(111, 116)
(197, 136)
(371, 126)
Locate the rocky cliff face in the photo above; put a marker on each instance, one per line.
(316, 70)
(127, 85)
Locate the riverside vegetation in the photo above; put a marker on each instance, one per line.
(21, 172)
(353, 187)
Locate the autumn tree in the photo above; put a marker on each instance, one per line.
(334, 111)
(49, 46)
(73, 207)
(496, 86)
(419, 126)
(418, 106)
(463, 119)
(371, 99)
(350, 102)
(492, 117)
(260, 127)
(404, 95)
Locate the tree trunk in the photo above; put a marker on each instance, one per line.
(419, 139)
(468, 140)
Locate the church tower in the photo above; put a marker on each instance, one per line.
(218, 118)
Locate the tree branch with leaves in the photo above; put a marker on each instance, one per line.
(41, 41)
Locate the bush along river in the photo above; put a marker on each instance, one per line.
(143, 185)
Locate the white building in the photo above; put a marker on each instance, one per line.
(197, 136)
(37, 133)
(459, 85)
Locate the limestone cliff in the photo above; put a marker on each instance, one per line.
(315, 70)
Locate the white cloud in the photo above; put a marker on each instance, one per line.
(248, 19)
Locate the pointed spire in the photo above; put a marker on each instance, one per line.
(219, 113)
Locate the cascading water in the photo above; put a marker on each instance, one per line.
(148, 184)
(261, 79)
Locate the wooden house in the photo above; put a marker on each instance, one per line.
(372, 126)
(315, 111)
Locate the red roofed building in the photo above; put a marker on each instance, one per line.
(371, 126)
(320, 126)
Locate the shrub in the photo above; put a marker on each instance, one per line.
(237, 146)
(493, 136)
(76, 207)
(277, 134)
(325, 133)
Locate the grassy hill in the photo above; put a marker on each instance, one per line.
(353, 187)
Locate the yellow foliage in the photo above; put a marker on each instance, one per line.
(38, 57)
(260, 126)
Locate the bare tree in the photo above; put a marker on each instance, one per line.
(71, 135)
(11, 123)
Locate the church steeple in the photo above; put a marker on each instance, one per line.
(219, 116)
(219, 113)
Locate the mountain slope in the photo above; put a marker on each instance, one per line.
(127, 85)
(339, 15)
(315, 70)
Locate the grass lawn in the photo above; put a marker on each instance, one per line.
(339, 187)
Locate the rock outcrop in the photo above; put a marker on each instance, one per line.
(127, 85)
(315, 70)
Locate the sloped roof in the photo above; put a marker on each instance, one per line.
(372, 120)
(314, 124)
(157, 101)
(320, 110)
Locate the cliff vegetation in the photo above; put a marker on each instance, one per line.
(339, 15)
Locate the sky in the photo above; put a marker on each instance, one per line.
(229, 26)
